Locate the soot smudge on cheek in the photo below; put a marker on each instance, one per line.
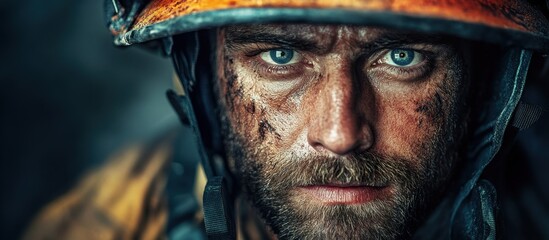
(244, 112)
(250, 107)
(233, 90)
(432, 108)
(266, 127)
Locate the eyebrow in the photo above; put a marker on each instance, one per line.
(236, 36)
(239, 36)
(392, 39)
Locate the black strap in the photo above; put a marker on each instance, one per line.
(526, 115)
(179, 106)
(218, 210)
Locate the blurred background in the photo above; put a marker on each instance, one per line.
(69, 99)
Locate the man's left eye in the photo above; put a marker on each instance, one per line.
(403, 57)
(280, 56)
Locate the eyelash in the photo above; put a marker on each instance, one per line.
(289, 71)
(418, 72)
(285, 71)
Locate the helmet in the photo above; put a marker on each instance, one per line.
(520, 27)
(510, 22)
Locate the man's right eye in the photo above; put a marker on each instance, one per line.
(280, 56)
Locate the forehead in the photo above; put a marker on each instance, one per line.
(306, 31)
(323, 35)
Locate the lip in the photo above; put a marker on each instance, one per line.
(344, 194)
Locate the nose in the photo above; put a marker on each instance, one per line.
(338, 124)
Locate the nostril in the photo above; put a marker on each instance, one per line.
(315, 143)
(341, 141)
(366, 138)
(335, 142)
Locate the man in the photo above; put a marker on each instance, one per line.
(327, 120)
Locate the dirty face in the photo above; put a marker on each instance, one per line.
(339, 132)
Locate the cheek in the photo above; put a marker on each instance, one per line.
(406, 128)
(266, 121)
(248, 115)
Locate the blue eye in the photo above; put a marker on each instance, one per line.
(280, 56)
(403, 57)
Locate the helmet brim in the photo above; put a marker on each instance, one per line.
(509, 24)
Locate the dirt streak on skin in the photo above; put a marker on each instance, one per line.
(251, 116)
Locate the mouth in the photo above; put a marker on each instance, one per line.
(344, 194)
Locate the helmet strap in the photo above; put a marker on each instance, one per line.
(192, 58)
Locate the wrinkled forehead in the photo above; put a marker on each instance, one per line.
(305, 31)
(322, 36)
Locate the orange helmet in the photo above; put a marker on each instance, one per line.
(510, 22)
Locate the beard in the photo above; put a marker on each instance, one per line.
(410, 187)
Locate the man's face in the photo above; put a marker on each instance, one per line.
(339, 132)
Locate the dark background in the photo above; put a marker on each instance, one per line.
(69, 98)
